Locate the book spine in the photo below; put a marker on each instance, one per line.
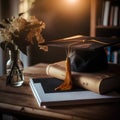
(115, 57)
(116, 14)
(108, 52)
(111, 15)
(106, 13)
(88, 82)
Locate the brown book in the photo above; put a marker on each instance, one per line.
(99, 82)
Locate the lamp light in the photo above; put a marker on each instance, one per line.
(72, 1)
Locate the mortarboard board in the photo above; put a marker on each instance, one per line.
(84, 42)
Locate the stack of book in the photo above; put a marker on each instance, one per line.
(89, 87)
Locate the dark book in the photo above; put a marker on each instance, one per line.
(43, 90)
(111, 15)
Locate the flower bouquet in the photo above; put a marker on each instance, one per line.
(16, 34)
(21, 32)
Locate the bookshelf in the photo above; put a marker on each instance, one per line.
(105, 22)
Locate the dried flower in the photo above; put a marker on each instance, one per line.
(21, 31)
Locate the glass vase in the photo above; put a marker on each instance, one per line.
(14, 69)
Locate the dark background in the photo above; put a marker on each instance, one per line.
(62, 20)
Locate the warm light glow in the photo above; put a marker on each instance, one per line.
(71, 9)
(72, 1)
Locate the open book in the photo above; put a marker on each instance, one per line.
(102, 82)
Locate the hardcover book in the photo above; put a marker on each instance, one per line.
(43, 90)
(98, 82)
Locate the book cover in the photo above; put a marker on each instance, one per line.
(43, 90)
(99, 82)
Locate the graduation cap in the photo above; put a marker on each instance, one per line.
(87, 54)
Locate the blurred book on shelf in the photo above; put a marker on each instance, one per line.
(110, 13)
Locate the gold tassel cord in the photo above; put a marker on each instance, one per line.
(67, 84)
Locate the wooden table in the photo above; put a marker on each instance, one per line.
(21, 103)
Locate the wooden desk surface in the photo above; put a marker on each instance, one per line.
(20, 101)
